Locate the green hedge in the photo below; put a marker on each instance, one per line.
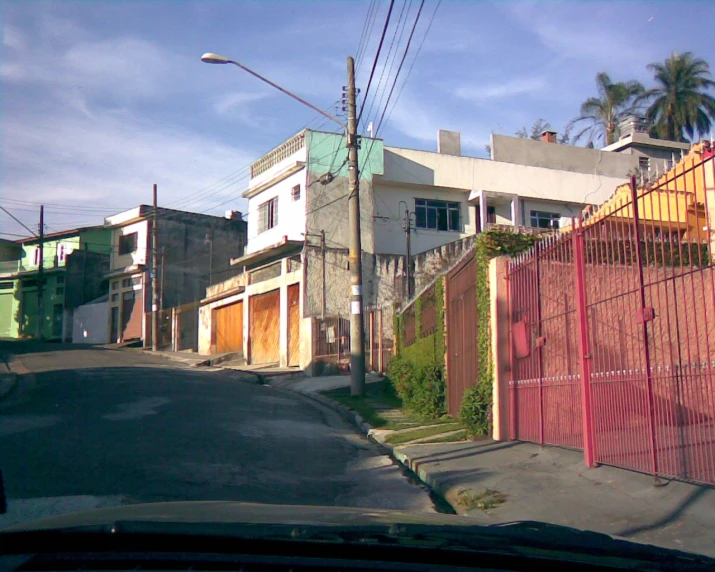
(417, 371)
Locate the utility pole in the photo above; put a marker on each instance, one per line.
(407, 227)
(40, 276)
(322, 255)
(161, 286)
(154, 278)
(408, 258)
(357, 334)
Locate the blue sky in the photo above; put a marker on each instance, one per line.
(102, 99)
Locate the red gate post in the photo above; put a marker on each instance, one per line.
(540, 347)
(584, 343)
(644, 319)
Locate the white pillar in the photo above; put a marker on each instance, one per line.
(483, 209)
(515, 211)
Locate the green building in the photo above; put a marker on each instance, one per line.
(74, 264)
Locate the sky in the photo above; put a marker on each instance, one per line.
(101, 99)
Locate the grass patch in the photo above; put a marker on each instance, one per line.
(459, 436)
(484, 500)
(360, 406)
(419, 433)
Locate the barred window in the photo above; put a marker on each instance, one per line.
(268, 215)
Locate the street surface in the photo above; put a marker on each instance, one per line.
(103, 427)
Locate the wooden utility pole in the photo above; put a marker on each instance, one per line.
(41, 277)
(154, 277)
(357, 327)
(322, 255)
(161, 284)
(407, 227)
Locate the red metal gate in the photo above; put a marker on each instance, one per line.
(461, 332)
(613, 330)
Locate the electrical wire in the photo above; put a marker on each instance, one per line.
(377, 57)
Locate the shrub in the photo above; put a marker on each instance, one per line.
(421, 388)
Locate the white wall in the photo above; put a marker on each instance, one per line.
(389, 233)
(90, 324)
(468, 173)
(291, 214)
(139, 256)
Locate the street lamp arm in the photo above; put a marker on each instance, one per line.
(288, 93)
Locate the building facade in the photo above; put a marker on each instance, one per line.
(191, 247)
(74, 264)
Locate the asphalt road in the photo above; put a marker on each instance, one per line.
(104, 427)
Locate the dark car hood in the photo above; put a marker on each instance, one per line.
(244, 513)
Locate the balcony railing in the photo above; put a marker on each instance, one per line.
(277, 155)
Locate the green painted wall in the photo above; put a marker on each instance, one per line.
(327, 152)
(54, 300)
(9, 306)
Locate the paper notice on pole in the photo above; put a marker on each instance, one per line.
(356, 290)
(355, 307)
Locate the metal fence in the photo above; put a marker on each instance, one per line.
(331, 341)
(613, 331)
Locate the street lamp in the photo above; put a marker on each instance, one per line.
(357, 327)
(211, 58)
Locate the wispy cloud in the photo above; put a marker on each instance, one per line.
(237, 103)
(507, 89)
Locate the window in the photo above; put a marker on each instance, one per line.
(644, 163)
(115, 298)
(128, 243)
(491, 214)
(541, 219)
(268, 215)
(115, 285)
(295, 193)
(59, 291)
(5, 285)
(60, 280)
(437, 215)
(126, 283)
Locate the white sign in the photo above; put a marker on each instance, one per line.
(355, 307)
(356, 290)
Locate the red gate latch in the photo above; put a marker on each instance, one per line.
(646, 315)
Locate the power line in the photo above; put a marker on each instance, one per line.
(394, 43)
(370, 26)
(399, 69)
(12, 216)
(377, 56)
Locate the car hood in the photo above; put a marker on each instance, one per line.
(244, 513)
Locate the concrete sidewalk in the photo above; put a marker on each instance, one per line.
(547, 484)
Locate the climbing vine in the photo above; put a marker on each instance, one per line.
(476, 407)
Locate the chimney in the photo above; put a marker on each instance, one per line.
(548, 137)
(449, 143)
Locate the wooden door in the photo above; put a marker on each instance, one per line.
(461, 333)
(132, 312)
(294, 325)
(265, 326)
(228, 328)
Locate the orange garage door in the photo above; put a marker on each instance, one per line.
(265, 324)
(228, 328)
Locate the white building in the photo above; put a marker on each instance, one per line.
(299, 191)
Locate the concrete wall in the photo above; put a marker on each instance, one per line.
(9, 308)
(140, 255)
(390, 200)
(327, 207)
(89, 323)
(291, 214)
(564, 157)
(468, 173)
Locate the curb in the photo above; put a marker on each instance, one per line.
(368, 431)
(9, 379)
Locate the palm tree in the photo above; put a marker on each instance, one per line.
(680, 103)
(614, 102)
